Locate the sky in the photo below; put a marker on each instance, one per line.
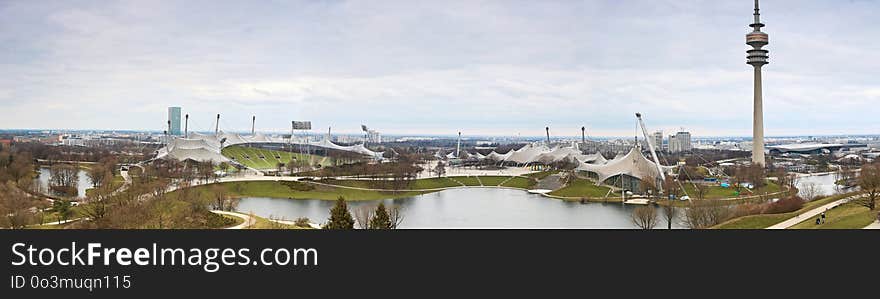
(439, 67)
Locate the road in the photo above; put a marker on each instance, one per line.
(811, 214)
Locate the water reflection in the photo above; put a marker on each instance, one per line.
(42, 182)
(824, 185)
(467, 208)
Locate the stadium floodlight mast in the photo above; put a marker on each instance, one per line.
(548, 135)
(653, 152)
(583, 134)
(366, 132)
(458, 146)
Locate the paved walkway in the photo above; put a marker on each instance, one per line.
(551, 182)
(57, 222)
(875, 225)
(811, 214)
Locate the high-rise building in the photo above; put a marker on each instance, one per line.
(757, 57)
(658, 140)
(373, 136)
(174, 118)
(680, 142)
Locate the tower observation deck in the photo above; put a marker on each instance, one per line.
(757, 39)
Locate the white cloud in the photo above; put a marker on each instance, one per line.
(482, 67)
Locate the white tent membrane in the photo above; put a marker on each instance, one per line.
(534, 153)
(633, 164)
(527, 154)
(202, 147)
(499, 157)
(595, 158)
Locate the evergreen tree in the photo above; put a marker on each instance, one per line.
(340, 218)
(380, 218)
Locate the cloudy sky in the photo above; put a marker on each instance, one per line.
(438, 67)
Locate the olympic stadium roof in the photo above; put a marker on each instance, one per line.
(203, 147)
(633, 164)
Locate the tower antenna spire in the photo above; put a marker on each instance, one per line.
(757, 24)
(757, 12)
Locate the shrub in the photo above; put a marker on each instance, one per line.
(302, 222)
(297, 186)
(216, 221)
(747, 209)
(785, 205)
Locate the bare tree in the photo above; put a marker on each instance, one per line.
(362, 216)
(701, 190)
(869, 181)
(96, 208)
(218, 193)
(440, 169)
(396, 215)
(96, 174)
(302, 222)
(645, 217)
(64, 178)
(15, 206)
(670, 213)
(811, 192)
(225, 167)
(206, 170)
(705, 214)
(648, 186)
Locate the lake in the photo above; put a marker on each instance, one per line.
(467, 208)
(43, 182)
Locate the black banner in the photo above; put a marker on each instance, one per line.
(416, 263)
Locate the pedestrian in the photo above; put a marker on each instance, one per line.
(823, 217)
(818, 220)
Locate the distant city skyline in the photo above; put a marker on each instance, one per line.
(436, 68)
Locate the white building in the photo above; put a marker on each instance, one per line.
(373, 136)
(680, 142)
(658, 140)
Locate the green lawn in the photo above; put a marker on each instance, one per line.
(349, 183)
(263, 223)
(520, 182)
(846, 216)
(493, 180)
(444, 182)
(581, 188)
(117, 182)
(766, 220)
(434, 183)
(467, 180)
(419, 184)
(282, 190)
(754, 221)
(268, 159)
(718, 192)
